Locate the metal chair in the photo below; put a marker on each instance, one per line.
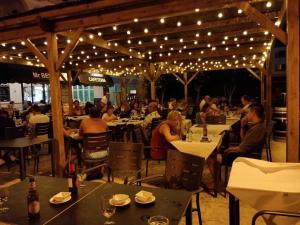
(273, 213)
(183, 171)
(42, 129)
(269, 135)
(125, 159)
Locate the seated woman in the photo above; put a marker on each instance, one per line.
(163, 134)
(109, 115)
(77, 110)
(135, 110)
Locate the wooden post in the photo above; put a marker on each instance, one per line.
(56, 105)
(262, 89)
(292, 62)
(70, 94)
(268, 104)
(185, 86)
(152, 85)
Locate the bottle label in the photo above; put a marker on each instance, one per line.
(34, 207)
(70, 183)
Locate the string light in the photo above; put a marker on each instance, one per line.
(199, 22)
(166, 38)
(266, 32)
(99, 34)
(245, 32)
(240, 11)
(162, 20)
(154, 40)
(178, 24)
(146, 30)
(269, 4)
(209, 33)
(23, 43)
(220, 15)
(135, 20)
(115, 28)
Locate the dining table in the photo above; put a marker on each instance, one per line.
(85, 207)
(23, 144)
(264, 186)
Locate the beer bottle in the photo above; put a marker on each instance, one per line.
(33, 200)
(72, 180)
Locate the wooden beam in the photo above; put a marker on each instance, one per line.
(292, 62)
(263, 21)
(56, 108)
(178, 78)
(205, 25)
(100, 42)
(193, 77)
(254, 74)
(70, 94)
(70, 47)
(210, 54)
(36, 52)
(262, 89)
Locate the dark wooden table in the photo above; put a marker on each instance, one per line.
(170, 203)
(24, 143)
(47, 187)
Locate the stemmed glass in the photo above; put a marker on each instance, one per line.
(4, 194)
(107, 209)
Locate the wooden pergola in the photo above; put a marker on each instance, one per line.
(155, 37)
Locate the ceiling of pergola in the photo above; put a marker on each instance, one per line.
(214, 39)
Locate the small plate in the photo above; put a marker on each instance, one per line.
(51, 200)
(126, 202)
(147, 202)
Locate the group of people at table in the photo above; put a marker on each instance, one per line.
(252, 132)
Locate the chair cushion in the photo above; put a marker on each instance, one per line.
(98, 155)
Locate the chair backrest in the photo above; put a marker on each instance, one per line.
(155, 122)
(42, 129)
(95, 142)
(183, 170)
(14, 132)
(221, 119)
(125, 157)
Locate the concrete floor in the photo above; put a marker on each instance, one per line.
(214, 210)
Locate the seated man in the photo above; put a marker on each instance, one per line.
(153, 113)
(36, 117)
(252, 139)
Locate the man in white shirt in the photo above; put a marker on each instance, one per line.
(204, 101)
(37, 116)
(153, 113)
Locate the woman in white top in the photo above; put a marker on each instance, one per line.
(109, 115)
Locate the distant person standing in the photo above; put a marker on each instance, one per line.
(77, 110)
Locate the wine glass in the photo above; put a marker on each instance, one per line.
(107, 209)
(158, 220)
(4, 194)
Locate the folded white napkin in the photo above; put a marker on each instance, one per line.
(61, 196)
(144, 196)
(120, 198)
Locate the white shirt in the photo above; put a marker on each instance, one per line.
(202, 103)
(148, 119)
(108, 118)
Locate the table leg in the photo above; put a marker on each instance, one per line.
(188, 214)
(52, 157)
(234, 210)
(22, 165)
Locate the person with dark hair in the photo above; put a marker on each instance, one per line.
(87, 107)
(5, 121)
(246, 102)
(252, 138)
(77, 109)
(36, 116)
(93, 124)
(109, 115)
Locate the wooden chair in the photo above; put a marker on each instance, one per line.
(183, 171)
(269, 135)
(125, 159)
(39, 130)
(95, 149)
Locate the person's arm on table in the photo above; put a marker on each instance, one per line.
(165, 130)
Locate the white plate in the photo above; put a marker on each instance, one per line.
(51, 200)
(126, 202)
(143, 202)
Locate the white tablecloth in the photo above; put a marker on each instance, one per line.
(123, 122)
(267, 186)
